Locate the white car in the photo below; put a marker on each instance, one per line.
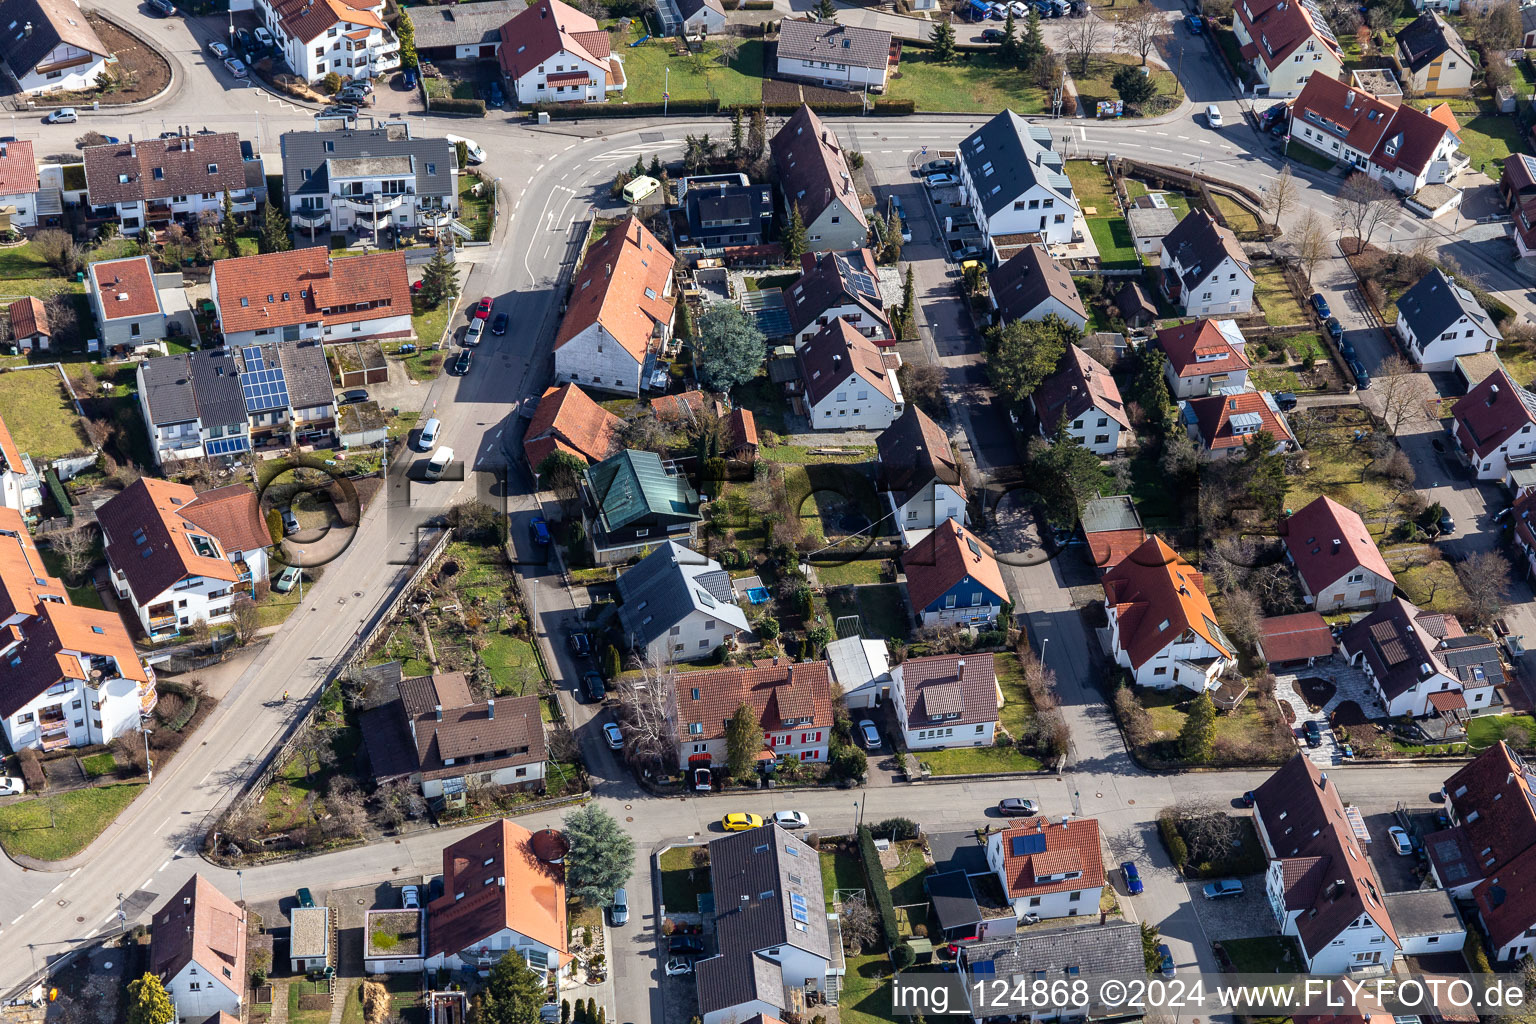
(791, 819)
(678, 965)
(410, 897)
(1400, 841)
(10, 785)
(263, 36)
(476, 154)
(236, 67)
(614, 735)
(218, 49)
(1213, 115)
(64, 115)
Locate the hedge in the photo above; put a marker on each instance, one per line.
(1178, 850)
(877, 887)
(451, 105)
(757, 5)
(585, 110)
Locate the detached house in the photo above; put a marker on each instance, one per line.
(1161, 626)
(920, 475)
(1339, 565)
(317, 37)
(1049, 868)
(1285, 42)
(1225, 423)
(848, 384)
(692, 17)
(20, 198)
(834, 55)
(566, 420)
(197, 950)
(1432, 57)
(29, 324)
(1112, 527)
(1422, 662)
(946, 701)
(503, 893)
(553, 53)
(1084, 399)
(51, 46)
(381, 179)
(305, 295)
(21, 486)
(131, 303)
(813, 175)
(1518, 186)
(953, 579)
(793, 703)
(1015, 183)
(154, 182)
(678, 605)
(619, 317)
(1203, 357)
(1438, 320)
(1204, 270)
(1494, 426)
(1032, 286)
(838, 286)
(60, 657)
(179, 557)
(632, 502)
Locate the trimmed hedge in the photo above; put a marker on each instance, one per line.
(1178, 850)
(875, 875)
(451, 105)
(756, 5)
(580, 111)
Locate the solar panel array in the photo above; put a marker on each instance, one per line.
(797, 908)
(858, 280)
(1024, 845)
(254, 360)
(227, 445)
(264, 389)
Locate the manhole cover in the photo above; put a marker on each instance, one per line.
(107, 966)
(629, 819)
(1130, 801)
(1099, 796)
(359, 902)
(629, 807)
(357, 593)
(79, 920)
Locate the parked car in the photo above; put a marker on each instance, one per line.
(218, 49)
(1248, 799)
(992, 35)
(1313, 733)
(428, 436)
(286, 579)
(353, 396)
(791, 819)
(685, 945)
(408, 78)
(243, 39)
(236, 67)
(64, 115)
(703, 781)
(1361, 375)
(618, 910)
(306, 898)
(580, 644)
(1015, 806)
(549, 1013)
(1346, 349)
(941, 180)
(1335, 329)
(475, 153)
(538, 530)
(1400, 841)
(290, 521)
(1285, 400)
(263, 37)
(942, 165)
(869, 735)
(482, 308)
(1164, 960)
(1222, 889)
(10, 785)
(1195, 24)
(499, 324)
(1321, 305)
(1079, 9)
(164, 8)
(592, 685)
(1447, 524)
(1212, 115)
(474, 332)
(347, 110)
(740, 821)
(410, 897)
(678, 966)
(438, 464)
(1133, 883)
(614, 735)
(1275, 112)
(461, 364)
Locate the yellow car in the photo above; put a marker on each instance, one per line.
(740, 822)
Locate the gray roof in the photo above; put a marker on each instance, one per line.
(953, 900)
(688, 8)
(463, 24)
(1422, 912)
(1427, 37)
(1008, 156)
(1103, 515)
(53, 22)
(1029, 278)
(309, 933)
(1107, 949)
(958, 851)
(168, 390)
(855, 661)
(309, 378)
(669, 584)
(1473, 659)
(306, 151)
(803, 39)
(754, 875)
(1436, 302)
(1151, 221)
(217, 386)
(359, 166)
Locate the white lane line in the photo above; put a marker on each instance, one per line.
(73, 873)
(181, 851)
(167, 864)
(57, 887)
(1182, 138)
(18, 918)
(148, 880)
(1141, 131)
(104, 920)
(37, 904)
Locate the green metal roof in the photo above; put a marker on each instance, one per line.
(633, 484)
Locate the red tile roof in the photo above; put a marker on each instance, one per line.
(28, 317)
(1157, 597)
(1327, 541)
(1081, 383)
(1448, 700)
(742, 430)
(10, 455)
(947, 556)
(1494, 804)
(492, 880)
(622, 285)
(1111, 547)
(1198, 348)
(1295, 637)
(307, 19)
(568, 420)
(306, 285)
(233, 515)
(1372, 125)
(1070, 847)
(1214, 415)
(200, 925)
(126, 288)
(963, 684)
(546, 29)
(153, 509)
(837, 353)
(1492, 412)
(682, 407)
(775, 692)
(18, 169)
(1278, 27)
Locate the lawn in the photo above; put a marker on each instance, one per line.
(1112, 237)
(1097, 84)
(840, 871)
(765, 400)
(1263, 955)
(1280, 307)
(653, 68)
(866, 993)
(476, 212)
(1017, 709)
(1094, 190)
(57, 827)
(1243, 223)
(1433, 587)
(905, 881)
(274, 609)
(429, 325)
(513, 665)
(298, 988)
(1487, 730)
(853, 573)
(1245, 731)
(1305, 154)
(1487, 140)
(85, 595)
(1091, 185)
(1336, 466)
(295, 798)
(38, 412)
(682, 883)
(981, 83)
(100, 764)
(977, 760)
(880, 608)
(1176, 201)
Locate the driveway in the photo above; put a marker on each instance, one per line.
(1349, 684)
(1234, 917)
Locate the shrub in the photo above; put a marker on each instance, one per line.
(877, 887)
(331, 83)
(903, 956)
(1168, 828)
(32, 770)
(897, 828)
(450, 105)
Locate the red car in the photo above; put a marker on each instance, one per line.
(483, 308)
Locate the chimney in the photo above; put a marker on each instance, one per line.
(827, 195)
(837, 358)
(1322, 780)
(1064, 819)
(1336, 544)
(610, 269)
(27, 30)
(132, 149)
(490, 709)
(439, 710)
(1349, 99)
(960, 668)
(1493, 393)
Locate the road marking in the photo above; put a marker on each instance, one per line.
(1184, 138)
(104, 920)
(55, 888)
(167, 864)
(73, 873)
(18, 918)
(181, 851)
(148, 880)
(1141, 131)
(37, 904)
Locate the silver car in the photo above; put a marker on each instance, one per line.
(791, 819)
(869, 735)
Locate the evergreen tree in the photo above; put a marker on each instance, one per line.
(892, 251)
(1133, 86)
(655, 170)
(405, 31)
(565, 1011)
(513, 992)
(591, 1010)
(757, 134)
(909, 299)
(148, 1002)
(1026, 352)
(728, 348)
(943, 40)
(639, 168)
(601, 856)
(825, 10)
(794, 236)
(1032, 46)
(738, 136)
(1066, 474)
(274, 231)
(1198, 737)
(228, 229)
(1008, 49)
(438, 281)
(743, 739)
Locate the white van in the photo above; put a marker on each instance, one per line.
(440, 461)
(429, 433)
(476, 154)
(640, 187)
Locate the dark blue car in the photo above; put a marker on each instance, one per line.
(538, 529)
(1133, 885)
(1335, 329)
(1321, 305)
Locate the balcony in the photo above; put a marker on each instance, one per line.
(55, 741)
(310, 218)
(148, 698)
(373, 202)
(242, 571)
(162, 624)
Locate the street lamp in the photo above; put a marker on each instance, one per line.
(149, 763)
(301, 575)
(855, 815)
(666, 90)
(122, 918)
(241, 876)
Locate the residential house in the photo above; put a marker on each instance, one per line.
(287, 390)
(1032, 286)
(946, 700)
(59, 656)
(436, 734)
(1336, 560)
(1224, 423)
(1320, 884)
(179, 557)
(772, 932)
(305, 295)
(694, 18)
(953, 579)
(1494, 426)
(566, 420)
(1518, 186)
(1401, 145)
(619, 317)
(318, 37)
(632, 502)
(553, 53)
(1527, 21)
(20, 200)
(1519, 518)
(197, 950)
(503, 892)
(193, 405)
(793, 703)
(1204, 270)
(52, 47)
(29, 324)
(1412, 657)
(920, 476)
(1112, 527)
(383, 179)
(1438, 320)
(741, 441)
(724, 211)
(463, 31)
(838, 286)
(1135, 306)
(153, 183)
(1202, 357)
(1298, 639)
(848, 383)
(133, 305)
(678, 605)
(1285, 42)
(1161, 626)
(834, 55)
(1432, 57)
(1049, 868)
(1015, 182)
(813, 175)
(21, 486)
(1110, 950)
(1084, 400)
(309, 939)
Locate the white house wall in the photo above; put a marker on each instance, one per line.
(845, 76)
(595, 359)
(210, 997)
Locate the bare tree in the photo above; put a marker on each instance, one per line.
(344, 805)
(1362, 203)
(1207, 829)
(245, 620)
(77, 547)
(1310, 244)
(1138, 29)
(858, 925)
(1082, 36)
(645, 704)
(1402, 391)
(1282, 194)
(1484, 576)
